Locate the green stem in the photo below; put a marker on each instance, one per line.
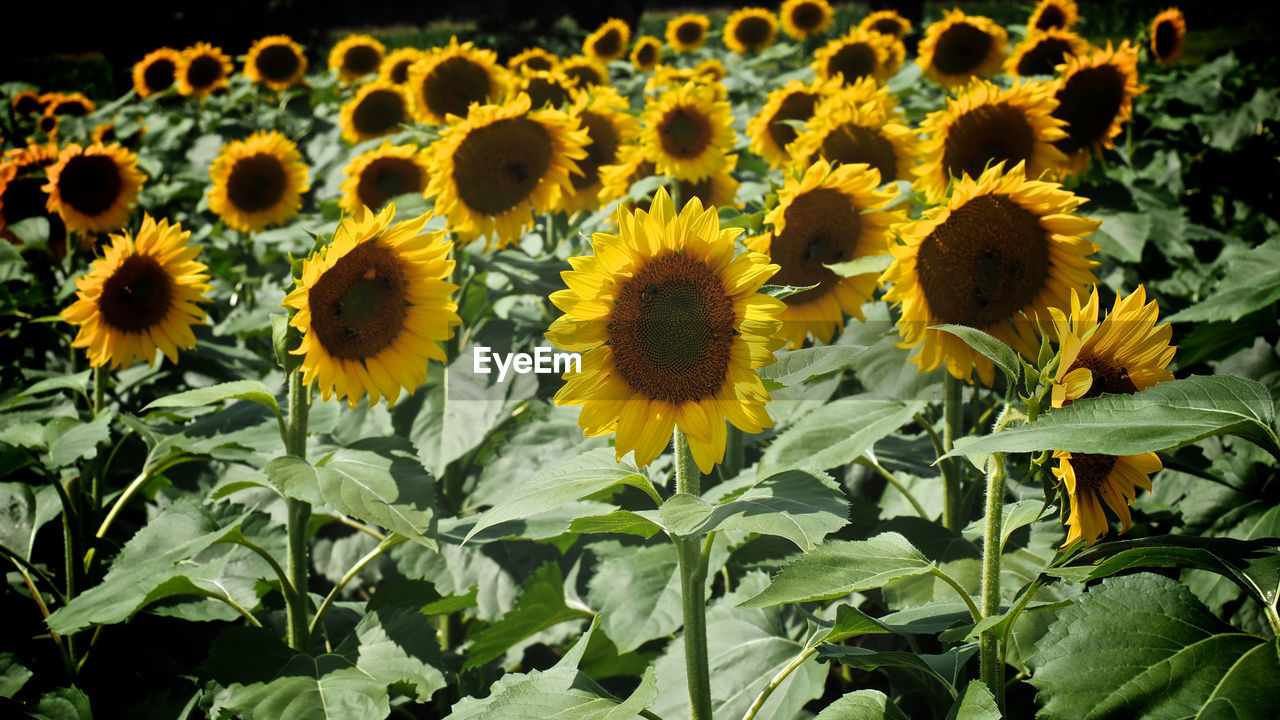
(974, 612)
(1273, 618)
(99, 389)
(369, 557)
(952, 470)
(991, 669)
(693, 576)
(299, 515)
(734, 456)
(269, 558)
(783, 674)
(894, 481)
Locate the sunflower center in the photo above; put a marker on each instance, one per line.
(987, 134)
(821, 228)
(672, 329)
(90, 183)
(136, 296)
(602, 150)
(48, 123)
(585, 75)
(1108, 377)
(159, 75)
(1091, 470)
(961, 49)
(806, 16)
(609, 43)
(277, 62)
(75, 108)
(498, 165)
(1166, 39)
(361, 59)
(379, 112)
(400, 72)
(388, 177)
(543, 91)
(454, 85)
(358, 306)
(27, 104)
(647, 54)
(854, 60)
(685, 133)
(856, 144)
(23, 197)
(689, 33)
(1041, 59)
(985, 262)
(1089, 102)
(537, 62)
(753, 31)
(796, 106)
(204, 71)
(887, 26)
(1051, 17)
(256, 183)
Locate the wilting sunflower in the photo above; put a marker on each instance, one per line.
(276, 61)
(378, 108)
(491, 171)
(1091, 480)
(453, 77)
(156, 72)
(546, 87)
(687, 32)
(1043, 50)
(608, 42)
(1168, 32)
(1095, 98)
(534, 58)
(376, 176)
(203, 69)
(73, 104)
(647, 53)
(93, 188)
(373, 306)
(257, 182)
(796, 101)
(858, 54)
(140, 296)
(886, 22)
(996, 256)
(848, 130)
(825, 217)
(602, 113)
(27, 102)
(803, 19)
(1061, 14)
(671, 329)
(960, 47)
(356, 56)
(986, 125)
(395, 66)
(687, 132)
(750, 30)
(585, 71)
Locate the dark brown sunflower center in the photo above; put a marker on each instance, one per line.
(854, 60)
(986, 261)
(544, 91)
(536, 62)
(961, 48)
(359, 305)
(90, 184)
(887, 26)
(1108, 377)
(27, 104)
(361, 59)
(1166, 39)
(856, 144)
(204, 71)
(586, 75)
(379, 112)
(48, 123)
(602, 150)
(256, 183)
(1089, 102)
(159, 75)
(23, 197)
(987, 134)
(75, 108)
(1051, 17)
(1091, 470)
(796, 106)
(453, 85)
(277, 63)
(647, 54)
(689, 33)
(685, 133)
(388, 177)
(1041, 59)
(821, 229)
(753, 31)
(497, 166)
(807, 16)
(609, 44)
(137, 295)
(400, 72)
(703, 189)
(672, 329)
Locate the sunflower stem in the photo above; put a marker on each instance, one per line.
(991, 668)
(693, 576)
(952, 470)
(299, 517)
(734, 456)
(99, 389)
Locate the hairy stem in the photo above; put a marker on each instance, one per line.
(350, 575)
(783, 674)
(693, 576)
(952, 470)
(299, 515)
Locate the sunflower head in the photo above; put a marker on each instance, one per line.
(257, 182)
(203, 69)
(276, 61)
(1044, 50)
(373, 306)
(1095, 98)
(687, 32)
(770, 134)
(1091, 480)
(547, 88)
(48, 125)
(858, 125)
(706, 74)
(996, 257)
(687, 132)
(355, 56)
(452, 78)
(585, 71)
(395, 66)
(671, 328)
(374, 177)
(1049, 14)
(602, 113)
(858, 54)
(608, 42)
(886, 22)
(647, 53)
(806, 18)
(27, 102)
(960, 47)
(378, 108)
(1168, 32)
(93, 188)
(139, 297)
(535, 58)
(73, 104)
(22, 193)
(716, 190)
(156, 72)
(750, 30)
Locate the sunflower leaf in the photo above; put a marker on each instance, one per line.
(389, 488)
(839, 567)
(250, 390)
(862, 266)
(862, 705)
(837, 433)
(793, 367)
(1252, 282)
(997, 352)
(785, 291)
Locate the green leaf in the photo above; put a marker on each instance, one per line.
(840, 567)
(994, 350)
(1014, 516)
(636, 589)
(837, 433)
(793, 367)
(64, 704)
(295, 478)
(785, 291)
(868, 659)
(1171, 414)
(1250, 281)
(1144, 646)
(977, 703)
(1122, 234)
(862, 266)
(13, 675)
(250, 390)
(862, 705)
(389, 488)
(397, 647)
(852, 622)
(541, 605)
(81, 441)
(622, 521)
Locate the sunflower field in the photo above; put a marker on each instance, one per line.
(781, 363)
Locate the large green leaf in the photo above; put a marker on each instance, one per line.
(24, 509)
(79, 441)
(1165, 416)
(68, 703)
(397, 647)
(840, 567)
(837, 433)
(636, 589)
(389, 488)
(793, 367)
(1142, 646)
(250, 390)
(1251, 281)
(976, 703)
(994, 350)
(13, 675)
(862, 705)
(541, 605)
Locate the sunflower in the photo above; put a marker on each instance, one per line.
(1168, 32)
(156, 72)
(93, 188)
(22, 194)
(602, 113)
(74, 104)
(257, 182)
(1060, 14)
(203, 69)
(585, 71)
(960, 47)
(803, 19)
(395, 66)
(534, 58)
(647, 53)
(671, 329)
(616, 179)
(717, 190)
(1043, 50)
(711, 68)
(108, 133)
(372, 307)
(27, 102)
(140, 296)
(608, 42)
(706, 74)
(996, 256)
(1091, 480)
(795, 101)
(847, 130)
(886, 22)
(491, 171)
(356, 56)
(750, 30)
(378, 108)
(858, 54)
(276, 61)
(48, 124)
(687, 32)
(686, 132)
(986, 125)
(546, 87)
(452, 78)
(1095, 98)
(378, 175)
